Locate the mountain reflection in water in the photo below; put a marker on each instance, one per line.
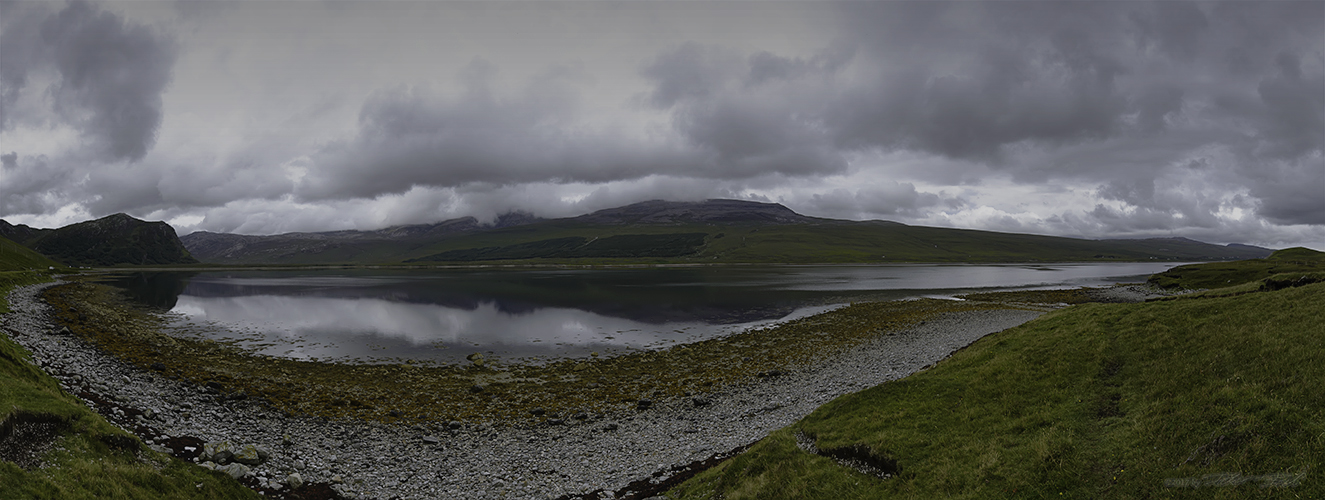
(368, 315)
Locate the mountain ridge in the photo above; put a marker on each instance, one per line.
(714, 231)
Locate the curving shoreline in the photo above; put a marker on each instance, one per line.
(598, 453)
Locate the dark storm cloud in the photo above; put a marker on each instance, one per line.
(414, 135)
(751, 116)
(111, 74)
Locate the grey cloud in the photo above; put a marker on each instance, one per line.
(112, 76)
(964, 80)
(20, 50)
(1173, 27)
(111, 73)
(1294, 111)
(691, 71)
(1292, 192)
(32, 185)
(885, 199)
(749, 116)
(414, 136)
(1157, 104)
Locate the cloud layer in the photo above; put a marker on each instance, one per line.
(1101, 119)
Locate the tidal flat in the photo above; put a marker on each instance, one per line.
(479, 391)
(570, 428)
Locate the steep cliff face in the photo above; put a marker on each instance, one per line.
(113, 240)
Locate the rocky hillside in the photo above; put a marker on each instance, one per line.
(113, 240)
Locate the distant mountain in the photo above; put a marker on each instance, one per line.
(702, 212)
(335, 246)
(713, 231)
(113, 240)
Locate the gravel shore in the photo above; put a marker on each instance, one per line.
(594, 455)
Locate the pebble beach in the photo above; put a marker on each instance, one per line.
(582, 456)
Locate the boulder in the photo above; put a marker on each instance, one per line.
(476, 359)
(237, 471)
(217, 451)
(294, 480)
(250, 455)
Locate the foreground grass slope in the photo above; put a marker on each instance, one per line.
(90, 459)
(1212, 397)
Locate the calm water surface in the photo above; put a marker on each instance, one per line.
(370, 316)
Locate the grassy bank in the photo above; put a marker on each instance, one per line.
(1225, 274)
(1205, 397)
(79, 454)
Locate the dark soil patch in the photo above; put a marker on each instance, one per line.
(25, 437)
(661, 481)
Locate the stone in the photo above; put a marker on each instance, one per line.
(644, 404)
(700, 402)
(477, 388)
(476, 359)
(430, 440)
(454, 425)
(610, 427)
(247, 455)
(294, 480)
(158, 366)
(538, 412)
(555, 421)
(337, 479)
(218, 451)
(237, 471)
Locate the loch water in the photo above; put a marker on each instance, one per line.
(537, 315)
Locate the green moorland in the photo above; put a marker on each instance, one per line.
(88, 458)
(1225, 274)
(1213, 395)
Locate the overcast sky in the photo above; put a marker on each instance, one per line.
(1089, 119)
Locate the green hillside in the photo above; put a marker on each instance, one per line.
(16, 257)
(834, 242)
(1201, 397)
(1224, 274)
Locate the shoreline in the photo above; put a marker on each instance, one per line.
(599, 453)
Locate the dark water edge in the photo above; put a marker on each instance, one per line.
(375, 315)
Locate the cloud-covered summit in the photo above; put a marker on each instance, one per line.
(1098, 119)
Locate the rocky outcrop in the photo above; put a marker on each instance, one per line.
(112, 240)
